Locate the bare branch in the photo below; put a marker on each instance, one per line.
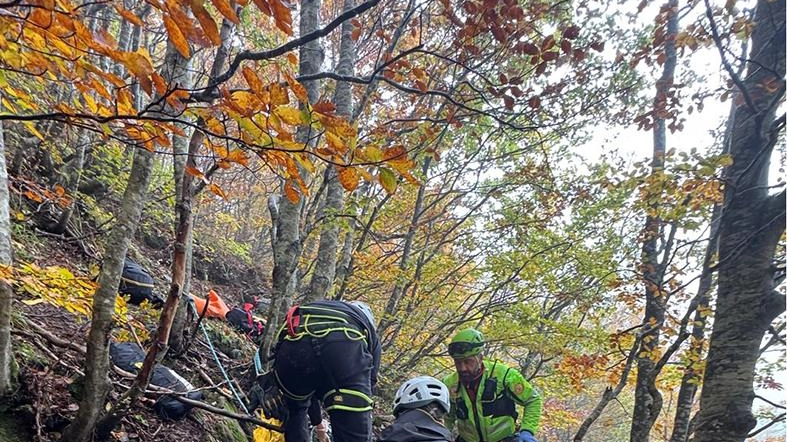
(210, 91)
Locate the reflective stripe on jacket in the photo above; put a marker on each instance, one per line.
(493, 416)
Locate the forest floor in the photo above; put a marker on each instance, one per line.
(49, 342)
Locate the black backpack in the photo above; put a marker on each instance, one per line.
(137, 283)
(129, 357)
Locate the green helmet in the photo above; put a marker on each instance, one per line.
(468, 342)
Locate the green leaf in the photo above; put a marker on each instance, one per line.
(388, 180)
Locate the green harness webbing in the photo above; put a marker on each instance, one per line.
(318, 322)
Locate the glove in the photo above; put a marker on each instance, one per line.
(526, 436)
(267, 395)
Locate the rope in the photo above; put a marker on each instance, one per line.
(216, 358)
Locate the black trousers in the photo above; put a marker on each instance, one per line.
(312, 367)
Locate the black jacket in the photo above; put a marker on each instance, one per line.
(363, 322)
(415, 426)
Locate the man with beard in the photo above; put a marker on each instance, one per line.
(485, 395)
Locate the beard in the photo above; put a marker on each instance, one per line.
(468, 377)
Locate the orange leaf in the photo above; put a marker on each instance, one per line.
(292, 58)
(217, 190)
(264, 7)
(278, 95)
(291, 193)
(176, 36)
(253, 81)
(160, 84)
(196, 173)
(282, 15)
(130, 16)
(226, 10)
(348, 177)
(238, 156)
(297, 88)
(324, 107)
(206, 22)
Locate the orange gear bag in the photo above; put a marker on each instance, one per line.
(216, 306)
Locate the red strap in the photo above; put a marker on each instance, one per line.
(292, 320)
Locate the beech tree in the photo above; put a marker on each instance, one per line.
(7, 363)
(752, 222)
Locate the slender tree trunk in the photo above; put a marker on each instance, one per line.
(365, 227)
(96, 384)
(7, 363)
(752, 223)
(185, 192)
(175, 73)
(647, 399)
(399, 289)
(287, 241)
(72, 177)
(325, 266)
(691, 376)
(609, 395)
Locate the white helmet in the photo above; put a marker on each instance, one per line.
(366, 310)
(420, 391)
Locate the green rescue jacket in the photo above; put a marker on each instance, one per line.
(493, 416)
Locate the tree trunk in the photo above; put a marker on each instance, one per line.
(647, 399)
(185, 192)
(287, 243)
(6, 294)
(751, 224)
(175, 73)
(691, 376)
(96, 384)
(72, 177)
(325, 266)
(398, 291)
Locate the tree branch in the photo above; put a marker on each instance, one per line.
(776, 420)
(733, 75)
(210, 91)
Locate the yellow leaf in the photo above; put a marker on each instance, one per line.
(32, 301)
(226, 10)
(32, 128)
(91, 103)
(289, 115)
(335, 143)
(176, 36)
(305, 161)
(289, 145)
(373, 154)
